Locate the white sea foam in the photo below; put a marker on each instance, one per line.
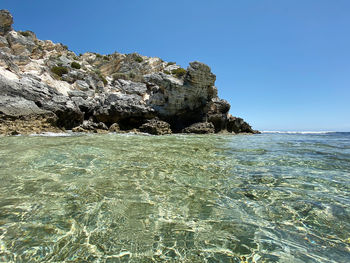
(53, 134)
(299, 132)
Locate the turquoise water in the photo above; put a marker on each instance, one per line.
(177, 198)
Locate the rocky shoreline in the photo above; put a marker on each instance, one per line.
(44, 87)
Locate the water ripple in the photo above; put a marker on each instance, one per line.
(130, 198)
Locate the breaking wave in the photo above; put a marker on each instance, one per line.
(300, 132)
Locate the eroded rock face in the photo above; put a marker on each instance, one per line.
(6, 21)
(20, 45)
(44, 82)
(21, 116)
(125, 109)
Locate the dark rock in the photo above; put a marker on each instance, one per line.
(68, 113)
(238, 125)
(217, 110)
(123, 108)
(156, 127)
(217, 105)
(219, 121)
(89, 126)
(200, 128)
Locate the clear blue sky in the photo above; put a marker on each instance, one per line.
(283, 65)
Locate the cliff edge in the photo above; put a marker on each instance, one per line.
(46, 87)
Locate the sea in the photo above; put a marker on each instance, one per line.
(272, 197)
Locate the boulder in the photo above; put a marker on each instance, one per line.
(114, 127)
(217, 110)
(238, 125)
(89, 126)
(156, 127)
(200, 128)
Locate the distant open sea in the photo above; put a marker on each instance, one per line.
(273, 197)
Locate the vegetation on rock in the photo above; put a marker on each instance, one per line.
(138, 59)
(179, 72)
(75, 65)
(104, 80)
(59, 70)
(25, 33)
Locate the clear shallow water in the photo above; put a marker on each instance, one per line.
(128, 198)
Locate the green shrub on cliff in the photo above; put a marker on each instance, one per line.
(75, 65)
(25, 33)
(103, 80)
(59, 70)
(179, 72)
(138, 59)
(171, 63)
(101, 77)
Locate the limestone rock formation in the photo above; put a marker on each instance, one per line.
(200, 128)
(156, 127)
(45, 85)
(6, 21)
(238, 125)
(114, 127)
(89, 126)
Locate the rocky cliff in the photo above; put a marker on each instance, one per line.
(46, 87)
